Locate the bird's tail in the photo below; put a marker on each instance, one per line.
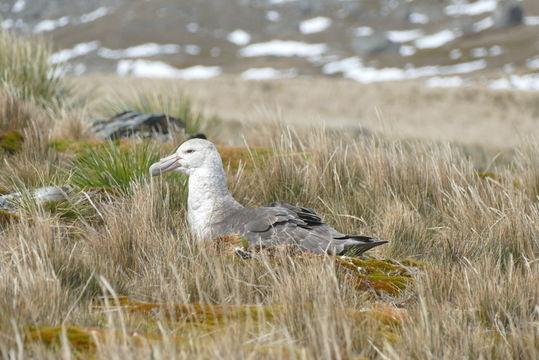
(357, 245)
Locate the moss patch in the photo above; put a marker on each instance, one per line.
(379, 276)
(212, 316)
(197, 321)
(84, 339)
(7, 217)
(11, 141)
(196, 313)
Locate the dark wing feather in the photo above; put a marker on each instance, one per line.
(282, 223)
(305, 214)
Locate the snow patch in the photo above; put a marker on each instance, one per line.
(404, 35)
(283, 48)
(239, 37)
(7, 24)
(268, 73)
(435, 40)
(273, 15)
(363, 31)
(475, 8)
(455, 54)
(531, 20)
(143, 50)
(484, 24)
(76, 51)
(94, 15)
(533, 63)
(192, 49)
(18, 6)
(159, 69)
(418, 18)
(354, 69)
(407, 50)
(495, 50)
(479, 52)
(50, 25)
(192, 27)
(445, 82)
(315, 25)
(529, 82)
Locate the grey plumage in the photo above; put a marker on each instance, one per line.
(281, 223)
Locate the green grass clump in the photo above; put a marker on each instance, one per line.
(24, 65)
(72, 146)
(113, 166)
(171, 102)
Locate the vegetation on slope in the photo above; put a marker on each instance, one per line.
(114, 272)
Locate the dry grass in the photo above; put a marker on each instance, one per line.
(24, 65)
(471, 218)
(477, 297)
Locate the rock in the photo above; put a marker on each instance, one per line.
(374, 45)
(6, 204)
(507, 14)
(51, 193)
(132, 124)
(9, 202)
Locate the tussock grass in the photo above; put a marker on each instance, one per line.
(24, 66)
(113, 166)
(476, 297)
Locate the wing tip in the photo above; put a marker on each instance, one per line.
(359, 247)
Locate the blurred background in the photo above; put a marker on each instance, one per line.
(446, 43)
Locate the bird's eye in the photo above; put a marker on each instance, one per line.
(189, 151)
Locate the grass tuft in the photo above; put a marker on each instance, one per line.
(113, 166)
(24, 65)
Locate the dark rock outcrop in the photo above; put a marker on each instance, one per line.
(132, 124)
(507, 14)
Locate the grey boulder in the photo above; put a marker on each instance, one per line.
(41, 195)
(133, 124)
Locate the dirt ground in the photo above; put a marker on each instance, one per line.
(469, 115)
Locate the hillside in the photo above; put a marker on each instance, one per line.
(486, 41)
(98, 259)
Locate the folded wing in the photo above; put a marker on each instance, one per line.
(282, 223)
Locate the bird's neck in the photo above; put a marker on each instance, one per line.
(209, 200)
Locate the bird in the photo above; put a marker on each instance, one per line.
(212, 211)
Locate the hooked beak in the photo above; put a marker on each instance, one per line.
(170, 163)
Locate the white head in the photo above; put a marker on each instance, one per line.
(192, 155)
